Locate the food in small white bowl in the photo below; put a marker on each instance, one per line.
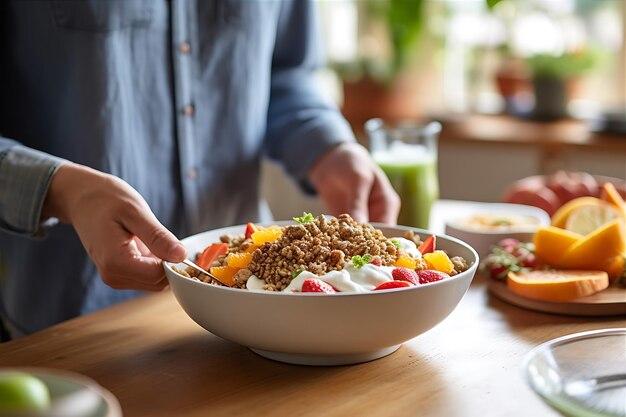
(340, 328)
(483, 225)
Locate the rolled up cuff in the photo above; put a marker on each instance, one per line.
(25, 176)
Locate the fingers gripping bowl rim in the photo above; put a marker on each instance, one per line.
(313, 329)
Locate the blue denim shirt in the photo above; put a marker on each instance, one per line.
(180, 98)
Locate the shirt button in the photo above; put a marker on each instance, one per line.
(188, 110)
(184, 47)
(192, 174)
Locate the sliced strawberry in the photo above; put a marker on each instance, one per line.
(317, 285)
(405, 274)
(210, 253)
(428, 245)
(430, 275)
(251, 228)
(393, 284)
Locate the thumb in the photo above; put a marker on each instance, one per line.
(155, 236)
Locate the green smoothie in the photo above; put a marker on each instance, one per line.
(416, 183)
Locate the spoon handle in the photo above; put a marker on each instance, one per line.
(196, 267)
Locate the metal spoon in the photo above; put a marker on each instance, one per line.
(196, 267)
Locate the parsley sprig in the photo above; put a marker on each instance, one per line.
(358, 261)
(306, 218)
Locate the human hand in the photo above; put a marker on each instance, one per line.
(348, 181)
(115, 225)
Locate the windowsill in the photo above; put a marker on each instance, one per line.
(515, 131)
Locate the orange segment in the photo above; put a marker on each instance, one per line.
(557, 286)
(224, 274)
(560, 216)
(439, 261)
(597, 247)
(238, 259)
(269, 234)
(552, 242)
(406, 262)
(610, 195)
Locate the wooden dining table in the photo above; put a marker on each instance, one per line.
(158, 362)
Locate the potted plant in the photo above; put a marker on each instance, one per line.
(555, 79)
(380, 83)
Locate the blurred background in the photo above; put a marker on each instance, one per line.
(521, 87)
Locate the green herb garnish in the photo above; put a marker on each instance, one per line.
(395, 243)
(306, 218)
(358, 261)
(296, 273)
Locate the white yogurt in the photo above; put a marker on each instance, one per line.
(408, 246)
(350, 278)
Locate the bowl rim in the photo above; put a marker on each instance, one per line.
(470, 271)
(542, 217)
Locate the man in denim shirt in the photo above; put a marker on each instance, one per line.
(128, 119)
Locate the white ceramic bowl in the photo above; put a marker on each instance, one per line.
(484, 239)
(316, 329)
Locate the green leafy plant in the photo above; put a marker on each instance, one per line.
(404, 21)
(562, 66)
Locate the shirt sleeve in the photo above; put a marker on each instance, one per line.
(302, 123)
(25, 176)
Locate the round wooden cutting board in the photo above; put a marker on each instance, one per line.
(610, 302)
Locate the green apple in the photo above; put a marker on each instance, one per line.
(22, 392)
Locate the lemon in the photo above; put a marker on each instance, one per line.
(562, 214)
(588, 218)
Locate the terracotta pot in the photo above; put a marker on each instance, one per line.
(367, 98)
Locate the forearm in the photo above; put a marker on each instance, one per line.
(302, 123)
(25, 176)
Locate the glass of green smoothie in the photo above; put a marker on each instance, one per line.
(407, 153)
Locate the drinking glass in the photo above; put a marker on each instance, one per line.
(407, 153)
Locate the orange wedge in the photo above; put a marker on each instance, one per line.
(559, 219)
(557, 286)
(551, 243)
(597, 247)
(610, 195)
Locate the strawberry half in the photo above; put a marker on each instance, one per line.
(393, 284)
(251, 228)
(405, 274)
(317, 285)
(430, 275)
(428, 245)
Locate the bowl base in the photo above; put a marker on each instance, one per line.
(325, 360)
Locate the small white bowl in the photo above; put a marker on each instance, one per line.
(71, 395)
(483, 239)
(315, 329)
